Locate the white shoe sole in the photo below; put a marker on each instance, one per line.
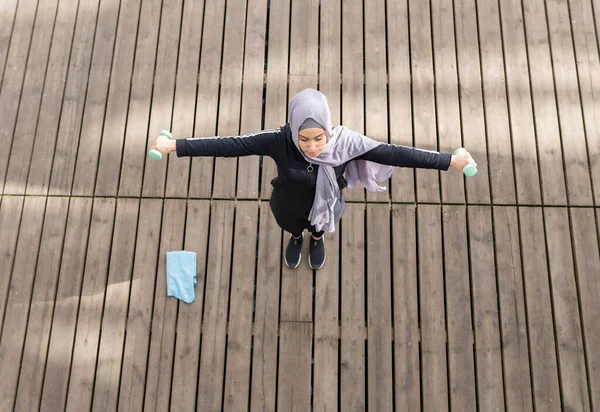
(297, 264)
(322, 264)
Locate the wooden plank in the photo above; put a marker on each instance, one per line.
(79, 384)
(376, 117)
(461, 365)
(7, 22)
(471, 98)
(163, 91)
(330, 56)
(406, 308)
(214, 323)
(588, 75)
(546, 116)
(326, 323)
(431, 307)
(266, 333)
(66, 303)
(52, 96)
(326, 372)
(13, 328)
(186, 80)
(490, 382)
(11, 210)
(187, 353)
(137, 338)
(304, 41)
(83, 160)
(596, 11)
(500, 155)
(116, 301)
(108, 162)
(513, 322)
(31, 96)
(295, 350)
(565, 299)
(379, 309)
(544, 372)
(446, 95)
(252, 96)
(424, 116)
(277, 81)
(239, 338)
(35, 346)
(46, 133)
(568, 101)
(17, 54)
(352, 345)
(587, 264)
(164, 313)
(296, 286)
(353, 54)
(519, 99)
(230, 94)
(207, 100)
(60, 169)
(399, 88)
(136, 131)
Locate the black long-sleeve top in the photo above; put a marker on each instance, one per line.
(292, 168)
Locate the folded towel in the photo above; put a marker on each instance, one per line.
(181, 275)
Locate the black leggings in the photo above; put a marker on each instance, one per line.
(315, 234)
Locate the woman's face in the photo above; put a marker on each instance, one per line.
(312, 141)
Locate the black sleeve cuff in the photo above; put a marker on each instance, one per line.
(181, 148)
(444, 162)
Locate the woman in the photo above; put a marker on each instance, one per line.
(315, 162)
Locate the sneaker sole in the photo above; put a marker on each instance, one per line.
(297, 264)
(317, 268)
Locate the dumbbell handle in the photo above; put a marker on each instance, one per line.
(155, 154)
(470, 169)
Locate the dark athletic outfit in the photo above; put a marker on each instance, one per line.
(294, 187)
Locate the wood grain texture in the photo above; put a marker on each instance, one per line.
(406, 308)
(266, 318)
(471, 98)
(432, 310)
(66, 304)
(544, 369)
(39, 323)
(140, 102)
(39, 242)
(16, 54)
(353, 349)
(461, 362)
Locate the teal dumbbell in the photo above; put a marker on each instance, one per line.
(155, 154)
(470, 169)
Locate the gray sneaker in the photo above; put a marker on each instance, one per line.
(317, 256)
(292, 253)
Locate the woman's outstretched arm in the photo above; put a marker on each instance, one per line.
(403, 156)
(264, 142)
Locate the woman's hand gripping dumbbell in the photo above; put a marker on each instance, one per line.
(463, 161)
(164, 144)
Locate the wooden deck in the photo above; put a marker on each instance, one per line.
(443, 293)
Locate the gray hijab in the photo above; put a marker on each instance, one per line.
(342, 146)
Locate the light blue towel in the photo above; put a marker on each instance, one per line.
(181, 275)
